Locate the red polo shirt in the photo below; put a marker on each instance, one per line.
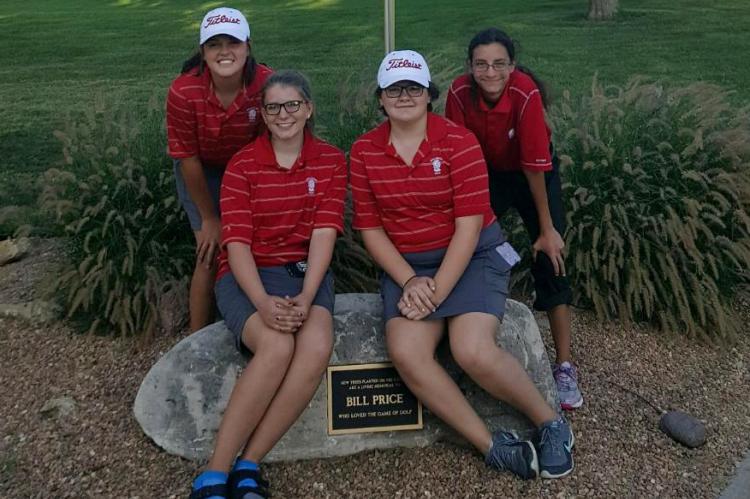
(198, 125)
(417, 205)
(274, 210)
(513, 132)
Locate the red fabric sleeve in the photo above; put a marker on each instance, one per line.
(182, 135)
(471, 195)
(366, 214)
(330, 213)
(235, 201)
(533, 135)
(454, 109)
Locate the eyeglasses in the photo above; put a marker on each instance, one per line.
(396, 91)
(290, 106)
(482, 66)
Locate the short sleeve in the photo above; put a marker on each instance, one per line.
(330, 213)
(235, 202)
(182, 136)
(454, 109)
(469, 178)
(533, 135)
(366, 215)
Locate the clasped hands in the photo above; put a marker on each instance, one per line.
(419, 298)
(285, 314)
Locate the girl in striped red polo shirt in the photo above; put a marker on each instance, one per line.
(421, 202)
(213, 110)
(282, 206)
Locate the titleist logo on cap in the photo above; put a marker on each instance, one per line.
(221, 19)
(402, 63)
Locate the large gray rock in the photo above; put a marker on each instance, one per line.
(182, 398)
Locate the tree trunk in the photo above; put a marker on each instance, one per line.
(601, 10)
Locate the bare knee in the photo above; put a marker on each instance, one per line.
(473, 356)
(273, 347)
(407, 361)
(317, 353)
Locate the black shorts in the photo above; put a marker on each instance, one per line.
(511, 190)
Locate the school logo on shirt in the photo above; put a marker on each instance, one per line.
(252, 114)
(437, 165)
(311, 185)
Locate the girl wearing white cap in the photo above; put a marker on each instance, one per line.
(422, 205)
(213, 110)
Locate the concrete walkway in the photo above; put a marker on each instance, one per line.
(739, 487)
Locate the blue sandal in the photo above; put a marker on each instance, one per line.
(257, 490)
(220, 490)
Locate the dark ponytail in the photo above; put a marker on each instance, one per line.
(494, 35)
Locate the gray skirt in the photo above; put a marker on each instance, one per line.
(213, 182)
(483, 287)
(236, 308)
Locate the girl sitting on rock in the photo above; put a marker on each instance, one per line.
(282, 205)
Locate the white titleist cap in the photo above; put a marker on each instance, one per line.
(402, 65)
(225, 21)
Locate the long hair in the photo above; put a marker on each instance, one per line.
(494, 35)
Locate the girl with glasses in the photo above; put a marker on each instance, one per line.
(213, 110)
(421, 202)
(503, 104)
(282, 206)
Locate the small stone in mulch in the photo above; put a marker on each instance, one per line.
(11, 250)
(37, 311)
(60, 407)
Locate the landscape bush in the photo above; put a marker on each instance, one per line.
(657, 181)
(114, 199)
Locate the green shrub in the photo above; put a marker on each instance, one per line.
(351, 264)
(115, 200)
(657, 182)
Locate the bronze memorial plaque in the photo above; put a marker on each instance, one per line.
(370, 397)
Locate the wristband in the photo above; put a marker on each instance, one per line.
(407, 281)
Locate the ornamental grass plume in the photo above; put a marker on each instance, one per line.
(657, 181)
(114, 199)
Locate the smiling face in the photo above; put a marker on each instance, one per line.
(225, 56)
(286, 125)
(485, 60)
(407, 107)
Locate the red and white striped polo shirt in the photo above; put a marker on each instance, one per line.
(417, 205)
(513, 132)
(274, 210)
(198, 125)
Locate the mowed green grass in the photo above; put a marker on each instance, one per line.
(59, 56)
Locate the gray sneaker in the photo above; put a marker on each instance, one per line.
(566, 379)
(510, 453)
(556, 442)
